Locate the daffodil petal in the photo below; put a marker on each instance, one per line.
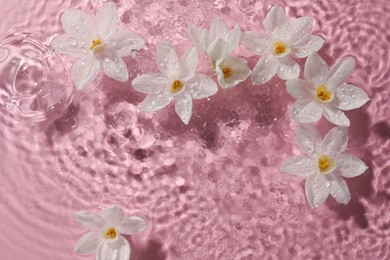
(113, 215)
(198, 37)
(150, 84)
(77, 23)
(300, 166)
(312, 44)
(306, 111)
(114, 67)
(132, 225)
(68, 45)
(340, 72)
(339, 189)
(183, 106)
(218, 30)
(155, 102)
(335, 141)
(256, 42)
(167, 60)
(294, 30)
(264, 70)
(351, 97)
(298, 88)
(90, 220)
(202, 86)
(188, 64)
(309, 139)
(119, 250)
(350, 166)
(239, 68)
(335, 116)
(316, 69)
(125, 42)
(316, 189)
(85, 70)
(233, 39)
(288, 68)
(106, 20)
(217, 49)
(88, 243)
(276, 17)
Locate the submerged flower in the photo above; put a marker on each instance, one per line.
(177, 81)
(325, 164)
(96, 44)
(283, 41)
(217, 44)
(323, 92)
(106, 230)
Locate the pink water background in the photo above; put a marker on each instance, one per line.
(209, 190)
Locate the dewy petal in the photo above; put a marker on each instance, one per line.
(313, 44)
(188, 64)
(316, 190)
(339, 189)
(275, 18)
(85, 70)
(150, 84)
(114, 67)
(88, 243)
(350, 166)
(77, 23)
(217, 49)
(119, 250)
(124, 42)
(256, 42)
(198, 37)
(350, 97)
(68, 45)
(132, 225)
(309, 139)
(335, 141)
(155, 102)
(90, 220)
(106, 20)
(183, 106)
(316, 69)
(233, 39)
(239, 68)
(300, 166)
(335, 116)
(340, 72)
(294, 30)
(201, 86)
(218, 30)
(113, 215)
(306, 111)
(288, 68)
(264, 70)
(167, 60)
(298, 88)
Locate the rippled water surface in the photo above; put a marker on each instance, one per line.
(210, 190)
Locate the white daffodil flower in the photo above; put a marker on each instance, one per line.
(284, 39)
(217, 44)
(96, 44)
(325, 164)
(323, 92)
(105, 229)
(177, 81)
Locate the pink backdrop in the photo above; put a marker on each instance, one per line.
(209, 190)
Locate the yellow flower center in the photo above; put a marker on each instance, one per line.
(325, 163)
(176, 86)
(97, 45)
(280, 48)
(323, 94)
(227, 72)
(110, 233)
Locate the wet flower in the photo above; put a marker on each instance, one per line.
(325, 164)
(323, 92)
(106, 230)
(96, 44)
(217, 44)
(177, 81)
(284, 39)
